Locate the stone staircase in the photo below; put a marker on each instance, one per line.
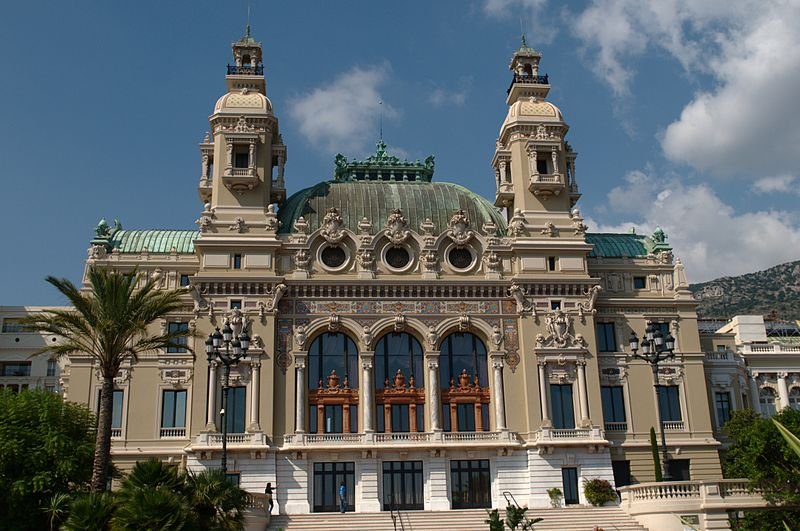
(564, 519)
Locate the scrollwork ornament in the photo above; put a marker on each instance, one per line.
(458, 230)
(516, 226)
(396, 229)
(332, 226)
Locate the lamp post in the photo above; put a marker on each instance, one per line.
(235, 348)
(655, 349)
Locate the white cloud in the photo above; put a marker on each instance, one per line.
(532, 14)
(343, 115)
(440, 96)
(777, 184)
(749, 122)
(710, 237)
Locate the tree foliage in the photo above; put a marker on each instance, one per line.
(46, 448)
(656, 458)
(760, 453)
(110, 323)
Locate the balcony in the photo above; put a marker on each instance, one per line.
(234, 70)
(549, 438)
(504, 195)
(528, 80)
(427, 439)
(172, 433)
(116, 433)
(673, 425)
(239, 179)
(546, 185)
(214, 440)
(770, 348)
(616, 426)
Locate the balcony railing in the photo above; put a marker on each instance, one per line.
(770, 348)
(673, 425)
(529, 80)
(116, 433)
(570, 437)
(718, 356)
(402, 438)
(616, 426)
(234, 70)
(172, 432)
(234, 439)
(547, 178)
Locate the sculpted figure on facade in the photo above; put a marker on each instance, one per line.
(366, 337)
(427, 227)
(497, 336)
(365, 259)
(98, 251)
(430, 261)
(238, 321)
(302, 260)
(272, 223)
(493, 262)
(365, 228)
(516, 226)
(591, 294)
(276, 293)
(520, 297)
(458, 230)
(300, 337)
(332, 226)
(558, 325)
(550, 229)
(239, 225)
(432, 338)
(577, 222)
(200, 303)
(397, 227)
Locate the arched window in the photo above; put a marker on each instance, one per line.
(333, 384)
(794, 398)
(464, 381)
(399, 386)
(767, 399)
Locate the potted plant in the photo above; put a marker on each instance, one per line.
(555, 497)
(599, 491)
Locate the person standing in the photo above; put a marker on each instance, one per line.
(342, 497)
(268, 493)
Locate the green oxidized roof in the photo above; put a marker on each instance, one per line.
(612, 245)
(375, 200)
(156, 241)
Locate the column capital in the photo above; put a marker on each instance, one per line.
(783, 375)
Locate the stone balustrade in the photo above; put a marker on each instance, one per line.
(706, 503)
(234, 439)
(571, 437)
(466, 438)
(769, 348)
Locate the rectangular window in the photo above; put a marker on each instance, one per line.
(236, 304)
(466, 417)
(663, 327)
(13, 326)
(606, 337)
(312, 419)
(241, 158)
(237, 261)
(235, 412)
(353, 418)
(639, 282)
(403, 486)
(400, 418)
(555, 305)
(446, 418)
(613, 400)
(234, 478)
(184, 280)
(669, 403)
(116, 407)
(679, 469)
(541, 166)
(333, 419)
(569, 478)
(379, 418)
(16, 368)
(562, 406)
(52, 366)
(471, 484)
(722, 400)
(622, 473)
(173, 409)
(328, 478)
(722, 348)
(551, 263)
(174, 328)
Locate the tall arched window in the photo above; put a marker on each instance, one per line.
(399, 386)
(333, 384)
(794, 398)
(767, 399)
(464, 381)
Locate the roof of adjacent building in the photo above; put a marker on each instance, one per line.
(155, 241)
(612, 245)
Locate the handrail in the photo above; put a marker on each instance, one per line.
(395, 517)
(507, 495)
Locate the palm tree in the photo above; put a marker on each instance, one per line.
(56, 508)
(90, 511)
(218, 503)
(109, 322)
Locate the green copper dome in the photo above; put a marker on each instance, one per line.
(374, 200)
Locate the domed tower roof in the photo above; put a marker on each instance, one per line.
(372, 188)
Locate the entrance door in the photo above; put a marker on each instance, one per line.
(471, 484)
(402, 485)
(569, 476)
(327, 478)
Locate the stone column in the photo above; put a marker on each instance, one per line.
(435, 406)
(498, 397)
(783, 390)
(211, 416)
(544, 387)
(534, 170)
(229, 158)
(251, 157)
(368, 391)
(755, 393)
(582, 395)
(555, 160)
(300, 399)
(255, 395)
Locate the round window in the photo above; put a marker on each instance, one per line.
(460, 258)
(397, 257)
(333, 257)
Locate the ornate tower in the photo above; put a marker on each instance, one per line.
(534, 165)
(243, 160)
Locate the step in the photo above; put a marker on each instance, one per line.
(563, 519)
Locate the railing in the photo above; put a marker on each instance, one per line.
(570, 434)
(173, 432)
(332, 438)
(546, 178)
(242, 172)
(233, 438)
(688, 490)
(402, 437)
(461, 436)
(369, 439)
(529, 80)
(245, 70)
(116, 433)
(556, 436)
(713, 356)
(616, 426)
(770, 348)
(673, 425)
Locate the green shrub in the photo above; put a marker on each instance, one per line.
(599, 491)
(555, 496)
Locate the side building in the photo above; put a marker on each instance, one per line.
(426, 346)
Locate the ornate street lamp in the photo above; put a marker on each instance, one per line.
(235, 348)
(655, 349)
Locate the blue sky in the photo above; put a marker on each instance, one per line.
(683, 112)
